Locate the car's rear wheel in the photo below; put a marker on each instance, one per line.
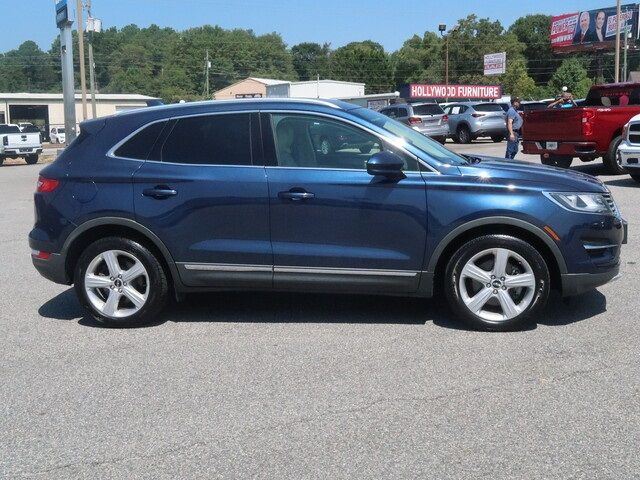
(556, 161)
(31, 159)
(121, 282)
(636, 177)
(610, 160)
(441, 140)
(464, 134)
(497, 282)
(497, 138)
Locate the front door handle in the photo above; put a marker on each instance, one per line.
(296, 195)
(159, 192)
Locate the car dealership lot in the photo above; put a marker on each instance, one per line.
(290, 385)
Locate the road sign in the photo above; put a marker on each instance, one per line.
(495, 63)
(62, 14)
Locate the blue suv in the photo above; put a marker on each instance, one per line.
(159, 202)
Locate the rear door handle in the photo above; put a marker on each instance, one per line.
(296, 195)
(159, 192)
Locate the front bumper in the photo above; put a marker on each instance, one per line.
(629, 155)
(577, 283)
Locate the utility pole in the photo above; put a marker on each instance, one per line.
(80, 30)
(66, 55)
(626, 46)
(207, 67)
(618, 14)
(93, 25)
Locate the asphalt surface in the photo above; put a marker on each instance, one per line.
(314, 386)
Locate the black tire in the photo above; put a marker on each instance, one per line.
(636, 177)
(441, 140)
(610, 159)
(31, 159)
(497, 139)
(365, 148)
(158, 284)
(557, 161)
(473, 247)
(463, 134)
(325, 146)
(1, 161)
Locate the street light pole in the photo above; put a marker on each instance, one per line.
(618, 13)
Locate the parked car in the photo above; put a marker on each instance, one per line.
(57, 135)
(628, 155)
(233, 195)
(15, 143)
(328, 139)
(471, 120)
(588, 132)
(427, 118)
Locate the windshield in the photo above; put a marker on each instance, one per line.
(432, 148)
(61, 130)
(428, 109)
(9, 129)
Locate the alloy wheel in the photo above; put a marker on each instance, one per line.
(497, 284)
(117, 284)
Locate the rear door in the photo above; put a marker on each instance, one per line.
(431, 114)
(490, 116)
(201, 193)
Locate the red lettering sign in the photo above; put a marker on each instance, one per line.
(484, 92)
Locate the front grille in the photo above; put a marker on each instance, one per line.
(612, 204)
(634, 133)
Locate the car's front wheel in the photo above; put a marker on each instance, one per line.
(120, 282)
(636, 177)
(497, 282)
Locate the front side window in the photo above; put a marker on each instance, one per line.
(223, 139)
(303, 141)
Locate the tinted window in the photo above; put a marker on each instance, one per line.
(9, 129)
(611, 97)
(488, 107)
(312, 142)
(391, 112)
(402, 112)
(140, 144)
(210, 140)
(429, 109)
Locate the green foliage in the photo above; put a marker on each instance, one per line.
(311, 60)
(365, 62)
(573, 75)
(533, 31)
(420, 60)
(517, 82)
(27, 69)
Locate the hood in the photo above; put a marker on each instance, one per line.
(559, 179)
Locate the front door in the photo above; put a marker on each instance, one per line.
(334, 226)
(201, 194)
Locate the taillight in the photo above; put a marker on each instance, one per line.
(414, 120)
(587, 122)
(40, 254)
(45, 185)
(5, 140)
(445, 118)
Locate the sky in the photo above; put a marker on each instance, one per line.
(389, 22)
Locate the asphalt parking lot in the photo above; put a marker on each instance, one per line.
(314, 386)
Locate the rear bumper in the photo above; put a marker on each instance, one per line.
(22, 151)
(568, 149)
(54, 267)
(577, 283)
(438, 131)
(490, 131)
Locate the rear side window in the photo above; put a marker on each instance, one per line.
(139, 146)
(431, 109)
(488, 107)
(402, 112)
(210, 140)
(390, 112)
(9, 129)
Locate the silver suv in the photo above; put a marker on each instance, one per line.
(427, 118)
(468, 121)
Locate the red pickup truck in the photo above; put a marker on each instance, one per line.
(588, 132)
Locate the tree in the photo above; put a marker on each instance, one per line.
(311, 59)
(420, 60)
(27, 69)
(534, 32)
(573, 75)
(365, 62)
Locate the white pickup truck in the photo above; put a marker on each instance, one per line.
(15, 143)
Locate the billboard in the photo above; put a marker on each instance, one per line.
(419, 90)
(592, 29)
(495, 63)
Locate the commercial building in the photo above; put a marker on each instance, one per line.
(251, 87)
(316, 89)
(46, 110)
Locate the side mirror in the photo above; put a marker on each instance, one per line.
(386, 164)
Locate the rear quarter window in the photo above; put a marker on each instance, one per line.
(139, 146)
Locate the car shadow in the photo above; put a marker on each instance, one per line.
(623, 182)
(270, 307)
(592, 168)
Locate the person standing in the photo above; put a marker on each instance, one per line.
(514, 124)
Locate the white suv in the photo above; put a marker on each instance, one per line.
(629, 149)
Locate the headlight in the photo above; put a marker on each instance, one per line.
(583, 202)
